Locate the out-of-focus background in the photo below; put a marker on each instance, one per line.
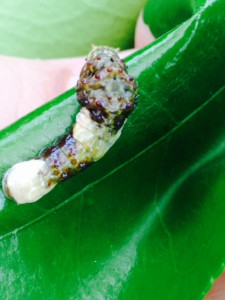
(56, 29)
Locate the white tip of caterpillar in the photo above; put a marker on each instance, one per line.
(27, 181)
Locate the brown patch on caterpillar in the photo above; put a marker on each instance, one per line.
(68, 145)
(78, 156)
(58, 162)
(108, 95)
(65, 159)
(105, 88)
(98, 116)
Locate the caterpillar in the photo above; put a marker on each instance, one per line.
(107, 95)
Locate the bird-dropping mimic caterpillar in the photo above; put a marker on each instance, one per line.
(107, 95)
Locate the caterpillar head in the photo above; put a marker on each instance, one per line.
(105, 88)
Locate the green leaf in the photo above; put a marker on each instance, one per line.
(51, 29)
(147, 220)
(162, 16)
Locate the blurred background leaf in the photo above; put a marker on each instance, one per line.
(51, 29)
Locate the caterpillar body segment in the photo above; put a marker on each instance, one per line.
(107, 95)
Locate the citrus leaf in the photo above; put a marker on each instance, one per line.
(147, 220)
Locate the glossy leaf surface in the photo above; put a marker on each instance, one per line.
(146, 221)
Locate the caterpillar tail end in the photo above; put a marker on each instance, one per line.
(27, 181)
